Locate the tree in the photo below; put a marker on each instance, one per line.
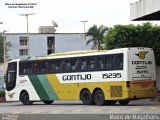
(96, 35)
(145, 35)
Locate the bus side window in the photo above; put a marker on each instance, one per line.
(44, 66)
(119, 62)
(63, 66)
(100, 62)
(25, 68)
(51, 66)
(109, 62)
(76, 65)
(68, 66)
(34, 67)
(84, 65)
(58, 66)
(73, 65)
(91, 62)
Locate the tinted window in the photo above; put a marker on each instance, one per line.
(25, 68)
(11, 76)
(92, 63)
(119, 62)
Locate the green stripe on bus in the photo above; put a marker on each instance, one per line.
(48, 88)
(38, 87)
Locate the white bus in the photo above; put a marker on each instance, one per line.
(95, 77)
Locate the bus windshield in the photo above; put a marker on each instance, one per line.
(11, 76)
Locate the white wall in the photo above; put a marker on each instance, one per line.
(143, 7)
(13, 52)
(38, 45)
(64, 42)
(70, 42)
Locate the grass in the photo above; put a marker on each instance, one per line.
(2, 93)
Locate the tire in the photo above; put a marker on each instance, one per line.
(123, 102)
(99, 98)
(110, 102)
(24, 98)
(86, 97)
(48, 102)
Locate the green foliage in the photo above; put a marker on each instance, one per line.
(145, 35)
(96, 35)
(2, 93)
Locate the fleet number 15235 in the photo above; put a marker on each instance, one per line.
(111, 75)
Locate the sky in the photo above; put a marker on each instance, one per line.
(68, 14)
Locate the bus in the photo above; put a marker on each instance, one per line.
(94, 76)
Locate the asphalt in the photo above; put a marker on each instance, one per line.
(76, 107)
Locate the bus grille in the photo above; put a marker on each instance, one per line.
(116, 91)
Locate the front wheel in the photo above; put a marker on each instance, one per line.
(123, 102)
(99, 98)
(48, 102)
(24, 98)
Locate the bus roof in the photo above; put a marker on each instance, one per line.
(62, 54)
(76, 52)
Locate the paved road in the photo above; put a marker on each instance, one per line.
(76, 107)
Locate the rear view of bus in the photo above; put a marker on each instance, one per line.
(141, 73)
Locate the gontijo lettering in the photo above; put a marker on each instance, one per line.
(76, 77)
(142, 62)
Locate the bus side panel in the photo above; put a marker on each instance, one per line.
(63, 91)
(22, 84)
(70, 89)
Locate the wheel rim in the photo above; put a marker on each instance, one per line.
(86, 97)
(25, 98)
(99, 97)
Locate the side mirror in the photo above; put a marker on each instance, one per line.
(5, 78)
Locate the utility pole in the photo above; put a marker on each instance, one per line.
(84, 22)
(26, 15)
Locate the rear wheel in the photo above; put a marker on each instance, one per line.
(48, 102)
(123, 102)
(24, 98)
(87, 97)
(99, 98)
